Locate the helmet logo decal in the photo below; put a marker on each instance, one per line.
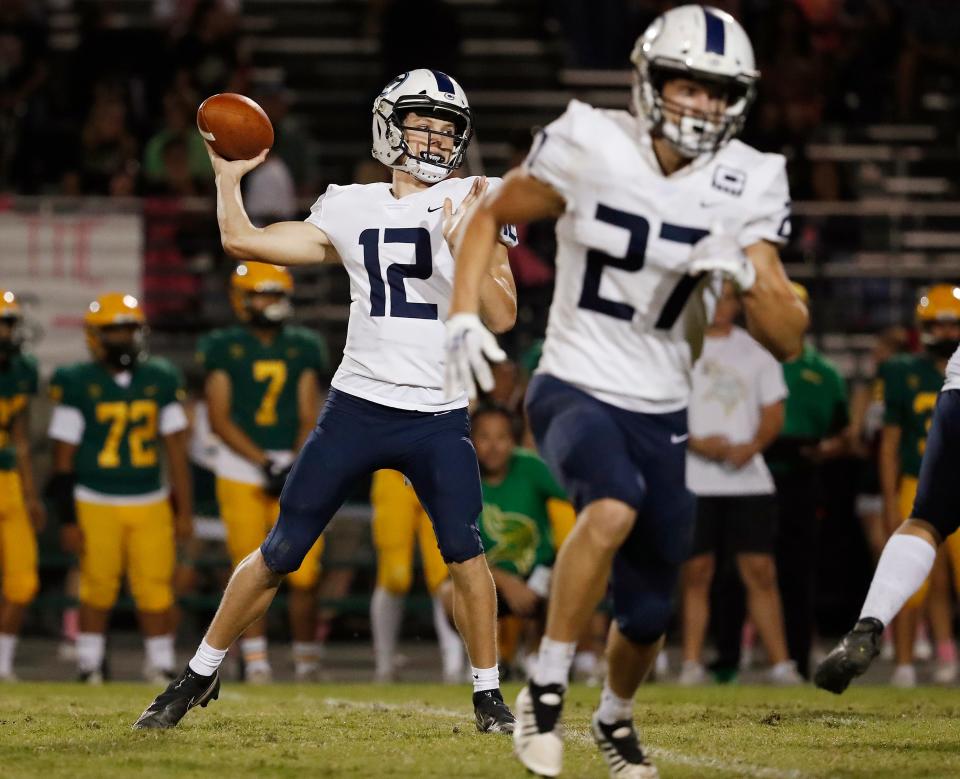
(715, 34)
(729, 180)
(394, 84)
(444, 83)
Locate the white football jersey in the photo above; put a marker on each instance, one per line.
(953, 372)
(401, 279)
(627, 320)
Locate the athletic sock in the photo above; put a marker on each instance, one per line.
(8, 647)
(613, 708)
(386, 613)
(485, 678)
(254, 651)
(159, 651)
(553, 662)
(90, 650)
(451, 646)
(904, 566)
(306, 657)
(207, 659)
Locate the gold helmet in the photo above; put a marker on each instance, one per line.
(12, 316)
(939, 304)
(252, 278)
(109, 311)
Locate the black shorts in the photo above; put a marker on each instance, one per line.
(735, 524)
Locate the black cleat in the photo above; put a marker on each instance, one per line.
(188, 690)
(493, 715)
(620, 747)
(851, 657)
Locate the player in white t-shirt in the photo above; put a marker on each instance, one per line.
(650, 206)
(908, 557)
(387, 407)
(736, 412)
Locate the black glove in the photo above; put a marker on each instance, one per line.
(59, 491)
(276, 476)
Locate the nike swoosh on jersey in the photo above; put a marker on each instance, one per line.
(431, 210)
(678, 439)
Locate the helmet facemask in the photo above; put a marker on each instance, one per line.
(273, 314)
(115, 351)
(11, 338)
(694, 132)
(938, 344)
(428, 165)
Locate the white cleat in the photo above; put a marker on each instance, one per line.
(692, 674)
(785, 674)
(258, 676)
(621, 748)
(945, 672)
(904, 677)
(537, 740)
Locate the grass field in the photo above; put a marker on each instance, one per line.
(53, 730)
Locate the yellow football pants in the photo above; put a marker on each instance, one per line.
(398, 521)
(248, 514)
(951, 546)
(18, 543)
(137, 540)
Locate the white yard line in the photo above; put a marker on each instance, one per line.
(667, 755)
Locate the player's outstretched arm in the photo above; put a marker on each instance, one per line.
(776, 317)
(520, 199)
(281, 243)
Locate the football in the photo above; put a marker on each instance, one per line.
(235, 126)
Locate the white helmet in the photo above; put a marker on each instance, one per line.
(429, 93)
(704, 44)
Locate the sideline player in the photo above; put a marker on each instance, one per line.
(111, 415)
(636, 197)
(21, 513)
(387, 407)
(399, 523)
(934, 517)
(262, 392)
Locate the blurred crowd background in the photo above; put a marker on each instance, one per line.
(104, 181)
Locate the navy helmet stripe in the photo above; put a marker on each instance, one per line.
(445, 83)
(715, 32)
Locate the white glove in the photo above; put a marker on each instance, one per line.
(469, 347)
(721, 253)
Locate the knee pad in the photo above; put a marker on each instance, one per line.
(99, 592)
(647, 619)
(459, 543)
(395, 570)
(20, 588)
(150, 594)
(284, 549)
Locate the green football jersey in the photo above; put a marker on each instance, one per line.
(17, 383)
(515, 526)
(911, 384)
(117, 454)
(264, 378)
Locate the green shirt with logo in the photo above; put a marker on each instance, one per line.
(911, 384)
(118, 453)
(816, 408)
(264, 378)
(515, 526)
(18, 381)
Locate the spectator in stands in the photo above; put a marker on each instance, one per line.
(814, 430)
(108, 153)
(23, 74)
(525, 519)
(179, 133)
(736, 412)
(290, 143)
(210, 50)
